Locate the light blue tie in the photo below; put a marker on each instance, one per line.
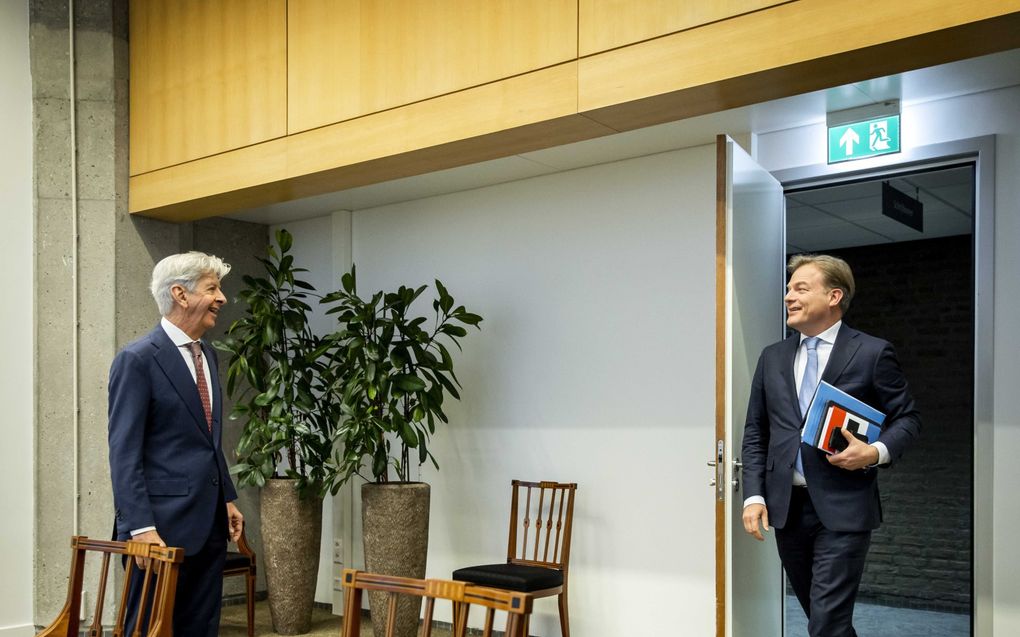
(808, 383)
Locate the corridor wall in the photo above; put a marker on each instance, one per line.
(16, 320)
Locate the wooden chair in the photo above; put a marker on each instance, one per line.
(517, 606)
(242, 562)
(160, 572)
(538, 550)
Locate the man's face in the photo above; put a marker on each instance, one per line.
(811, 307)
(196, 311)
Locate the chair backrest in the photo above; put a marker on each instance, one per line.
(463, 595)
(245, 549)
(541, 519)
(160, 577)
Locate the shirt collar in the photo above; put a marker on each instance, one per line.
(828, 336)
(176, 334)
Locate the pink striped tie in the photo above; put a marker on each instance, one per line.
(203, 387)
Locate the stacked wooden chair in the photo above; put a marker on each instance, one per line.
(538, 549)
(162, 565)
(463, 596)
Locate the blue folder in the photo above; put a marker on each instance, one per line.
(827, 395)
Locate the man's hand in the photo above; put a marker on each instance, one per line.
(753, 513)
(235, 522)
(857, 454)
(149, 537)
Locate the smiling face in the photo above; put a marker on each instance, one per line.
(811, 306)
(195, 311)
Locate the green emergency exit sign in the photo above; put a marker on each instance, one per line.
(879, 136)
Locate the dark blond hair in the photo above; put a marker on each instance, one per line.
(836, 274)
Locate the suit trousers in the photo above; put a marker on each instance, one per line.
(824, 567)
(199, 596)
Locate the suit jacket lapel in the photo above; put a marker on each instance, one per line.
(843, 351)
(170, 361)
(789, 354)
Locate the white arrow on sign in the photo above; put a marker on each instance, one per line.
(849, 138)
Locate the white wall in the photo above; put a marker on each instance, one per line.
(16, 259)
(993, 112)
(594, 365)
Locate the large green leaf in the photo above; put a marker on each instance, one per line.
(409, 382)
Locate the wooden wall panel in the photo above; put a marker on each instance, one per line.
(788, 49)
(607, 24)
(784, 50)
(348, 58)
(516, 115)
(206, 77)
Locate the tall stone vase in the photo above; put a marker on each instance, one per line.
(291, 531)
(395, 528)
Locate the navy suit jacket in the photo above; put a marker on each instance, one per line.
(167, 470)
(864, 367)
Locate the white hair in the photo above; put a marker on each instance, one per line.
(183, 269)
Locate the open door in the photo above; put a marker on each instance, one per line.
(750, 259)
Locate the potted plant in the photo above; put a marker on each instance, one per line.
(393, 371)
(275, 373)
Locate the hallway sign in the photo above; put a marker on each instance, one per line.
(869, 138)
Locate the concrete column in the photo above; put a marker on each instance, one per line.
(93, 262)
(80, 121)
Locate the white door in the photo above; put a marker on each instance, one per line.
(752, 209)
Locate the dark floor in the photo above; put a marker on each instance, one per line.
(872, 620)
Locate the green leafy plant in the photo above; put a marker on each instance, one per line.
(277, 371)
(393, 371)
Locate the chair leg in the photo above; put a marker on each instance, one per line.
(526, 626)
(514, 626)
(251, 604)
(564, 615)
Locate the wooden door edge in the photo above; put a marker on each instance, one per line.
(720, 376)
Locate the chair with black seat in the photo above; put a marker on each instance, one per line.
(538, 549)
(242, 562)
(159, 583)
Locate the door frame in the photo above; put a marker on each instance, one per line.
(980, 151)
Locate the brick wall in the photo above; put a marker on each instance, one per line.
(918, 296)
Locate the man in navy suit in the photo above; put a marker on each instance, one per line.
(822, 507)
(170, 479)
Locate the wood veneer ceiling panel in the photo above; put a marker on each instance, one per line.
(608, 24)
(521, 114)
(709, 69)
(349, 58)
(786, 50)
(206, 78)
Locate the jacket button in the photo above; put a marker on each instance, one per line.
(216, 481)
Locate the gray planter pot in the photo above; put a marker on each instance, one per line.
(395, 528)
(291, 530)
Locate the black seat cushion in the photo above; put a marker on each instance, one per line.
(512, 577)
(236, 560)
